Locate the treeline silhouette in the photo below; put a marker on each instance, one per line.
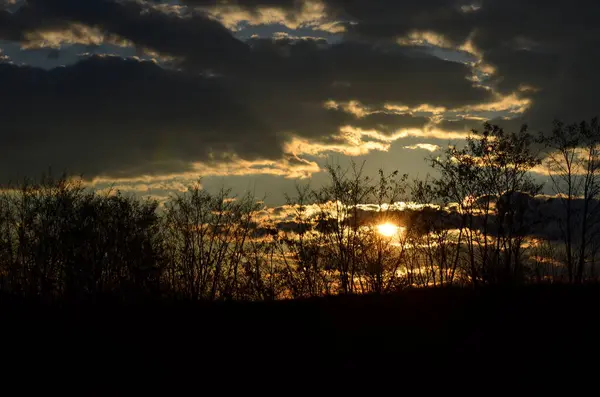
(469, 224)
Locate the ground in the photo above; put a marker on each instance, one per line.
(416, 339)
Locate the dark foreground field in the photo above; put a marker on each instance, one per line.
(417, 340)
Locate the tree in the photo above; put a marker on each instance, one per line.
(354, 249)
(207, 236)
(483, 178)
(573, 160)
(435, 231)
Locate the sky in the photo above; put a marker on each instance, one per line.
(257, 95)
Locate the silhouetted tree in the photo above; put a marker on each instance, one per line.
(357, 252)
(573, 160)
(59, 239)
(435, 235)
(483, 177)
(470, 224)
(206, 236)
(307, 269)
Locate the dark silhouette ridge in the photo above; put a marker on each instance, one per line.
(515, 336)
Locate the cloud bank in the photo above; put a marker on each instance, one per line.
(274, 103)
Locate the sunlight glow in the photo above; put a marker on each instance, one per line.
(387, 229)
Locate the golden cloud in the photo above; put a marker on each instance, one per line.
(357, 141)
(420, 38)
(549, 167)
(312, 14)
(510, 103)
(431, 132)
(76, 33)
(423, 146)
(353, 107)
(359, 110)
(352, 141)
(351, 144)
(480, 68)
(288, 167)
(423, 108)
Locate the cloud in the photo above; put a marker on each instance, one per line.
(361, 71)
(350, 142)
(511, 103)
(187, 35)
(13, 26)
(547, 48)
(424, 146)
(520, 44)
(121, 118)
(292, 14)
(553, 164)
(290, 166)
(542, 216)
(7, 3)
(162, 186)
(393, 19)
(432, 132)
(260, 105)
(74, 33)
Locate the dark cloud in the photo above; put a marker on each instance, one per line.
(386, 19)
(546, 45)
(365, 73)
(288, 83)
(15, 25)
(108, 116)
(124, 118)
(371, 75)
(400, 76)
(373, 18)
(195, 36)
(53, 54)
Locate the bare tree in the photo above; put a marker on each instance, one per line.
(207, 235)
(573, 160)
(483, 178)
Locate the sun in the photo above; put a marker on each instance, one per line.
(387, 229)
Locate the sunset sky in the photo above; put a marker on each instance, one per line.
(256, 94)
